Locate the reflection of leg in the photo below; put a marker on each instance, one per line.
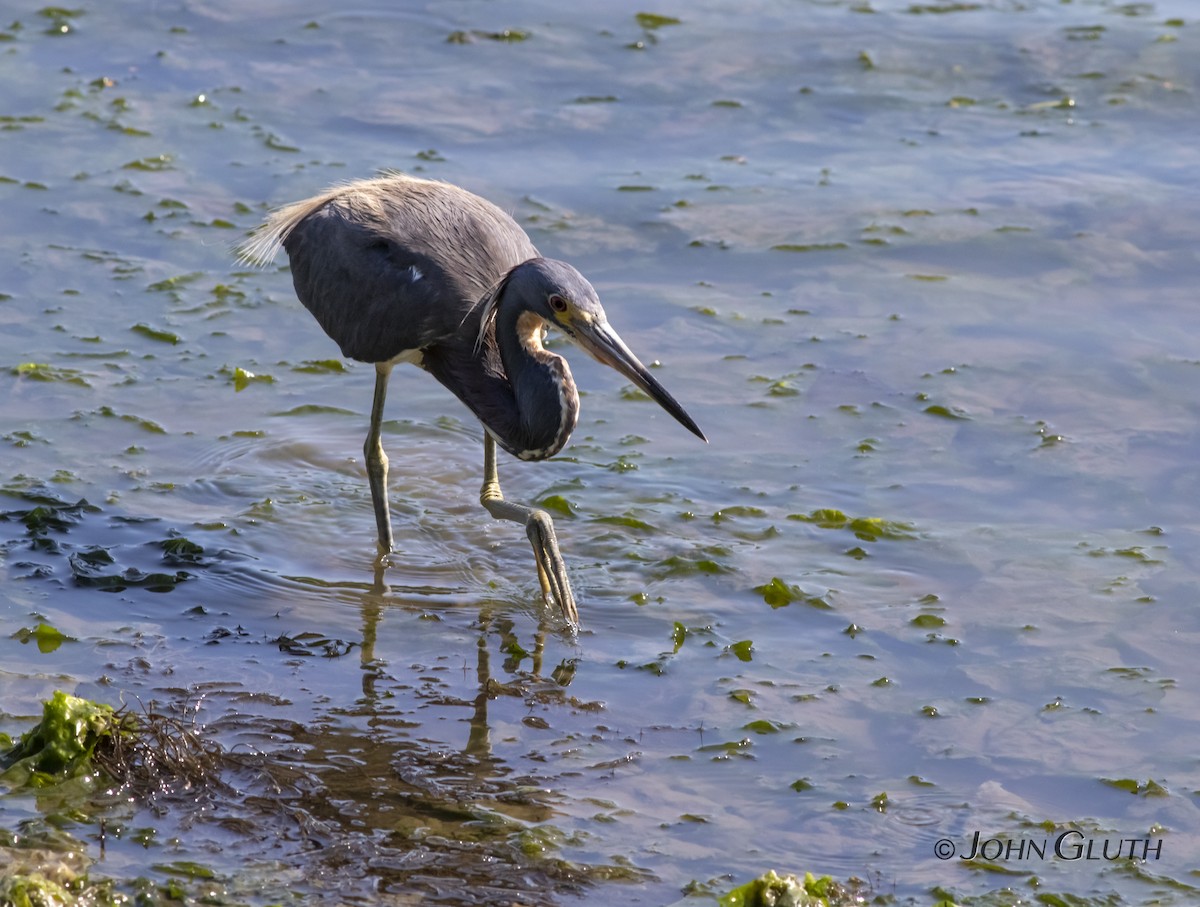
(377, 461)
(552, 572)
(372, 604)
(479, 739)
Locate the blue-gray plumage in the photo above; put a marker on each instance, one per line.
(400, 269)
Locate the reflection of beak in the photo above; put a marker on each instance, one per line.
(602, 342)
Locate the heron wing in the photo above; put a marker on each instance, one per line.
(395, 264)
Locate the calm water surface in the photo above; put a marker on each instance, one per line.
(930, 267)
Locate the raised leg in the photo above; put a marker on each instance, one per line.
(377, 461)
(552, 572)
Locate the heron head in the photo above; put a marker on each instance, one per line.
(563, 298)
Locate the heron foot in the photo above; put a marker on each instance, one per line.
(552, 570)
(377, 477)
(377, 474)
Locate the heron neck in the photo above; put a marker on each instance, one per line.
(544, 394)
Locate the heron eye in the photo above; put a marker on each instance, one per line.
(558, 303)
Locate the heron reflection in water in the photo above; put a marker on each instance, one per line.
(400, 269)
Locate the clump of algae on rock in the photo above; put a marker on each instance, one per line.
(774, 890)
(60, 747)
(63, 742)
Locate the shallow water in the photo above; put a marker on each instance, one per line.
(932, 265)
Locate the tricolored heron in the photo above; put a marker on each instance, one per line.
(400, 269)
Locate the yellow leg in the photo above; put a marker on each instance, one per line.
(552, 572)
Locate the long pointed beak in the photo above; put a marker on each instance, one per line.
(605, 346)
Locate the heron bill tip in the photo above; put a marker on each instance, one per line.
(606, 346)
